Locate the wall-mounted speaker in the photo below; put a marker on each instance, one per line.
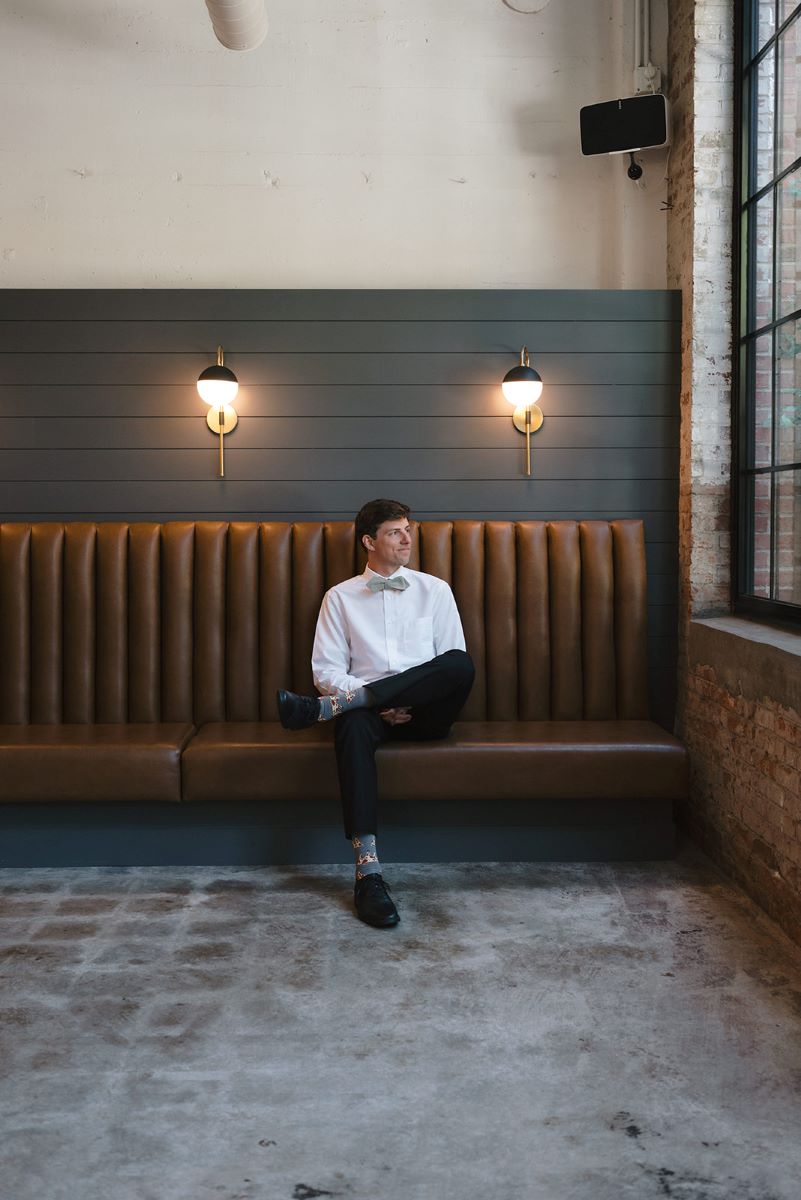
(621, 126)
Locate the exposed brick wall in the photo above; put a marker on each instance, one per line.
(745, 804)
(701, 48)
(745, 747)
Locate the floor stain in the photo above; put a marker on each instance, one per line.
(623, 1121)
(91, 906)
(70, 932)
(154, 906)
(205, 950)
(15, 1016)
(239, 886)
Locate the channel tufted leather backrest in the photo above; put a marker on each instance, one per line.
(203, 620)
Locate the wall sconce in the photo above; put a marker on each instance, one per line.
(218, 386)
(522, 387)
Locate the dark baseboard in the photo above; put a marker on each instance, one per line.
(74, 835)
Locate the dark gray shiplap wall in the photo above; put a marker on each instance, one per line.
(345, 396)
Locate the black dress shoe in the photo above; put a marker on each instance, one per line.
(373, 904)
(297, 712)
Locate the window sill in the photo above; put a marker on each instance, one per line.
(750, 659)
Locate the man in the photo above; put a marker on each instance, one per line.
(389, 659)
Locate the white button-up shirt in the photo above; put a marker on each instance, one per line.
(363, 636)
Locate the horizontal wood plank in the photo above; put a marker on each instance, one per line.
(240, 338)
(340, 370)
(595, 496)
(182, 304)
(327, 433)
(351, 400)
(127, 465)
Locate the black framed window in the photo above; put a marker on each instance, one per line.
(767, 492)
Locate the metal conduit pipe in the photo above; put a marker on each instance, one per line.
(238, 24)
(638, 58)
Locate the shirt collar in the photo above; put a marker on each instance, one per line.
(368, 572)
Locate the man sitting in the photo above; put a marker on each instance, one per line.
(390, 661)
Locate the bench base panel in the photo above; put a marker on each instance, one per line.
(121, 835)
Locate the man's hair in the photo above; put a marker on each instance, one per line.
(375, 513)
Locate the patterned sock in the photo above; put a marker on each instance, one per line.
(366, 855)
(331, 706)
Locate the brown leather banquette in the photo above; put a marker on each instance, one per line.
(139, 662)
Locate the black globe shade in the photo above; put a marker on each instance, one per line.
(217, 375)
(522, 375)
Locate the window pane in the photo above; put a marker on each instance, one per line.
(788, 259)
(786, 7)
(789, 94)
(760, 500)
(762, 376)
(768, 453)
(761, 265)
(788, 393)
(765, 21)
(763, 150)
(788, 537)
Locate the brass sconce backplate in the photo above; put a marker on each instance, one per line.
(230, 419)
(519, 418)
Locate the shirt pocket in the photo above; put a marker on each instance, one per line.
(418, 637)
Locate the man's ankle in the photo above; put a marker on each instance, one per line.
(366, 855)
(339, 702)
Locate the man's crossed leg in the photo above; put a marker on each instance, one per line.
(434, 692)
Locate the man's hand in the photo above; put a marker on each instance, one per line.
(396, 716)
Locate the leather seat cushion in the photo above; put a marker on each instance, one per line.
(260, 760)
(479, 760)
(133, 762)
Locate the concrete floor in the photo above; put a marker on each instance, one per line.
(533, 1032)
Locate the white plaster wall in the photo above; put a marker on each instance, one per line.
(424, 143)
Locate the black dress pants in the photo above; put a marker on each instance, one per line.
(435, 691)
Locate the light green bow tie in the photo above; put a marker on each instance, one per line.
(396, 582)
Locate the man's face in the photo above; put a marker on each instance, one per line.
(392, 544)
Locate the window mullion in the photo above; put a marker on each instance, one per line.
(774, 546)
